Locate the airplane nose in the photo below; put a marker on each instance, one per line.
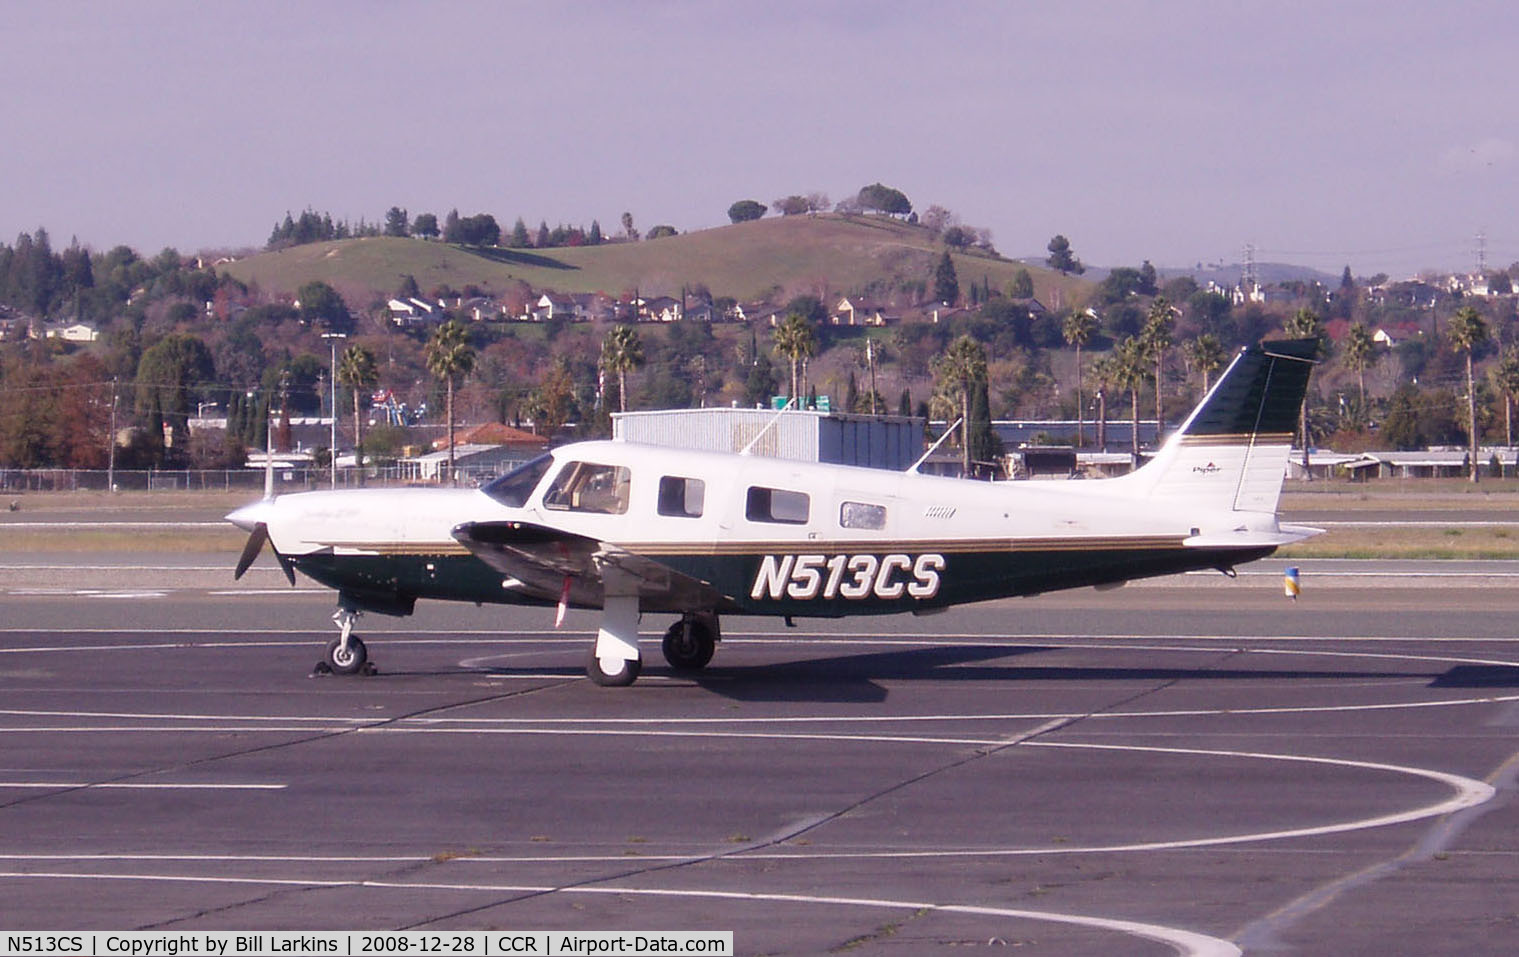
(250, 517)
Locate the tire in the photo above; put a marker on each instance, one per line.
(631, 668)
(688, 645)
(351, 663)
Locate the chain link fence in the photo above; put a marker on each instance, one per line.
(216, 480)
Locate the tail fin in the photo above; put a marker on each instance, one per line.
(1231, 452)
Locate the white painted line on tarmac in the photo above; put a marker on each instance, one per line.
(135, 786)
(1186, 942)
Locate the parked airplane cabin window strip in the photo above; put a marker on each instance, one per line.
(681, 497)
(777, 505)
(589, 487)
(862, 515)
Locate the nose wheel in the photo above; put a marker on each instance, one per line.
(346, 654)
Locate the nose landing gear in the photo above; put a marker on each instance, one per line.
(346, 654)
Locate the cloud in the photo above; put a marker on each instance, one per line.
(1481, 156)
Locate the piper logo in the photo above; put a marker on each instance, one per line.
(1208, 469)
(806, 577)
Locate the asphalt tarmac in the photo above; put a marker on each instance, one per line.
(1195, 767)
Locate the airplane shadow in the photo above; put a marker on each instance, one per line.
(856, 678)
(1478, 676)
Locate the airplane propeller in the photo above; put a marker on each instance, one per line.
(254, 545)
(258, 534)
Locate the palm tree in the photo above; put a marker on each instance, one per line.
(1078, 328)
(795, 342)
(1505, 376)
(357, 371)
(622, 352)
(1467, 331)
(1155, 339)
(1305, 324)
(1360, 355)
(1130, 368)
(960, 369)
(1206, 355)
(1102, 372)
(450, 357)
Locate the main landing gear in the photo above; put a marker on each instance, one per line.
(615, 661)
(346, 654)
(690, 642)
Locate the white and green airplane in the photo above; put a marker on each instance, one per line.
(629, 528)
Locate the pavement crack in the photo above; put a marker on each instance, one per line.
(327, 735)
(1264, 935)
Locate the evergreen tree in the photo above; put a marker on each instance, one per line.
(946, 283)
(519, 238)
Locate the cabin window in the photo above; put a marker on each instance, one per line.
(681, 497)
(513, 488)
(861, 515)
(777, 505)
(589, 487)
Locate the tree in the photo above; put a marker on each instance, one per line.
(627, 227)
(661, 231)
(1129, 369)
(169, 379)
(519, 238)
(959, 369)
(795, 342)
(1505, 377)
(358, 371)
(1305, 324)
(396, 222)
(792, 205)
(321, 305)
(946, 283)
(1156, 339)
(1468, 331)
(1078, 329)
(622, 352)
(745, 210)
(1205, 354)
(1022, 286)
(1061, 259)
(450, 357)
(884, 199)
(1360, 354)
(425, 225)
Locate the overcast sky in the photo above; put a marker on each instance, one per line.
(1383, 136)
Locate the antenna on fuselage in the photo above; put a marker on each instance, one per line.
(768, 426)
(935, 447)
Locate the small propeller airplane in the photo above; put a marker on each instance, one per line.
(630, 528)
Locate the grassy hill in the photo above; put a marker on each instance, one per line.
(825, 255)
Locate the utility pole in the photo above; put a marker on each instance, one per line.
(332, 449)
(110, 467)
(870, 360)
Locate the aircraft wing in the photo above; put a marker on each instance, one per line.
(555, 565)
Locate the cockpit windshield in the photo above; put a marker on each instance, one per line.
(513, 488)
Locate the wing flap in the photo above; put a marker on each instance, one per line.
(543, 559)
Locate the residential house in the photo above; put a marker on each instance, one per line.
(861, 312)
(74, 332)
(413, 311)
(552, 306)
(661, 309)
